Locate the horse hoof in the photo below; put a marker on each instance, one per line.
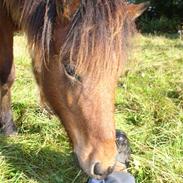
(11, 133)
(9, 129)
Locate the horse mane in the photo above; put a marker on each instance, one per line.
(36, 18)
(98, 39)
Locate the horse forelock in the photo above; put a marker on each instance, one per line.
(98, 38)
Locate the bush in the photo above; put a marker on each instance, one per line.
(162, 25)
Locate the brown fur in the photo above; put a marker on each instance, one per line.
(100, 30)
(7, 73)
(78, 50)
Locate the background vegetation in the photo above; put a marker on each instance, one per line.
(162, 16)
(149, 107)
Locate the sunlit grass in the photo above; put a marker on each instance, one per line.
(149, 107)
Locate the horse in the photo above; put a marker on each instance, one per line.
(78, 50)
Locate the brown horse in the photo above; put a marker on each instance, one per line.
(78, 51)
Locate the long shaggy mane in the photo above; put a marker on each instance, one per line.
(36, 18)
(98, 38)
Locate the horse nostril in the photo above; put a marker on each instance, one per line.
(110, 169)
(99, 171)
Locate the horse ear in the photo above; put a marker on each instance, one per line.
(66, 8)
(135, 10)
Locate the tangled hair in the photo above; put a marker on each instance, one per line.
(98, 38)
(96, 42)
(36, 18)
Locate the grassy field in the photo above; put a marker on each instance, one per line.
(149, 107)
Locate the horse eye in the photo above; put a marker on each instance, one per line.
(70, 70)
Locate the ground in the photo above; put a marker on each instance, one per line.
(149, 108)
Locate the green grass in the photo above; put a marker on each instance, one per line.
(149, 107)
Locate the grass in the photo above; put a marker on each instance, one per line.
(149, 107)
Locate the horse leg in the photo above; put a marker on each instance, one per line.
(7, 75)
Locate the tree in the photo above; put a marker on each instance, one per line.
(162, 15)
(167, 8)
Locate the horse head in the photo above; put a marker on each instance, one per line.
(89, 49)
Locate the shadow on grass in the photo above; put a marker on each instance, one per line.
(44, 165)
(28, 162)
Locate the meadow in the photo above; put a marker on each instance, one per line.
(149, 108)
